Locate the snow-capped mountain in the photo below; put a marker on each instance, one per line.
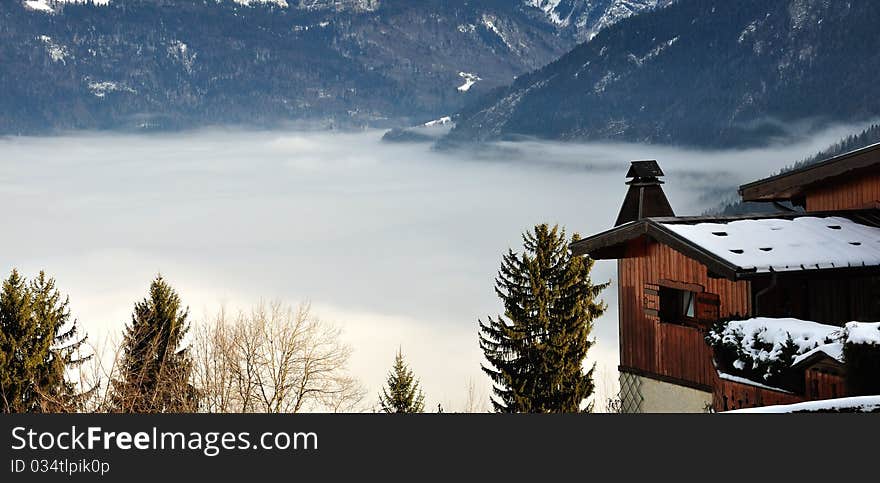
(585, 18)
(280, 3)
(52, 6)
(169, 63)
(337, 5)
(699, 72)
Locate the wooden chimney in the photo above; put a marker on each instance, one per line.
(645, 198)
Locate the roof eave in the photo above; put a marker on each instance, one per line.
(655, 230)
(609, 238)
(791, 184)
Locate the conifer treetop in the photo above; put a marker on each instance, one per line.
(401, 393)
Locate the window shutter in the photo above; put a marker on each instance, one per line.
(651, 300)
(708, 308)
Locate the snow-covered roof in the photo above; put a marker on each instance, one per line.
(833, 350)
(743, 380)
(745, 246)
(847, 404)
(786, 244)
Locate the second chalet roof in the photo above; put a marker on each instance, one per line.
(833, 351)
(739, 247)
(791, 185)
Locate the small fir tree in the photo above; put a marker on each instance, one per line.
(38, 344)
(401, 393)
(155, 369)
(537, 349)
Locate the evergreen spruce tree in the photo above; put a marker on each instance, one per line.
(401, 393)
(38, 344)
(155, 369)
(537, 349)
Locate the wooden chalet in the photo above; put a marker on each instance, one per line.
(677, 276)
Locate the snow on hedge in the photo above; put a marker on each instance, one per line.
(863, 333)
(764, 339)
(863, 404)
(765, 350)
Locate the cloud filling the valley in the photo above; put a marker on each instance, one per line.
(398, 244)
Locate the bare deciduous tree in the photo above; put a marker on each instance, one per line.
(274, 359)
(101, 368)
(477, 400)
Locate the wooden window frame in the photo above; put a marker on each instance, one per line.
(680, 317)
(704, 302)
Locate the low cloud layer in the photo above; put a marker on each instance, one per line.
(397, 243)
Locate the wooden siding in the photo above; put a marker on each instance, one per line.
(828, 298)
(684, 354)
(670, 350)
(730, 395)
(852, 193)
(824, 384)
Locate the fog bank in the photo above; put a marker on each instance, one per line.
(396, 243)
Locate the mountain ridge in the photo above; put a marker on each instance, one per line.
(171, 64)
(698, 73)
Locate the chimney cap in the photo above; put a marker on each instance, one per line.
(644, 169)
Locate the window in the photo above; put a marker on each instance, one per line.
(677, 306)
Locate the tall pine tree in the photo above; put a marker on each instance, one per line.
(537, 349)
(155, 369)
(38, 344)
(401, 393)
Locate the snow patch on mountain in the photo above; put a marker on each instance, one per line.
(49, 6)
(491, 23)
(57, 52)
(749, 30)
(469, 81)
(619, 10)
(306, 28)
(38, 5)
(102, 88)
(438, 122)
(181, 52)
(248, 3)
(800, 14)
(337, 5)
(549, 8)
(601, 84)
(639, 61)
